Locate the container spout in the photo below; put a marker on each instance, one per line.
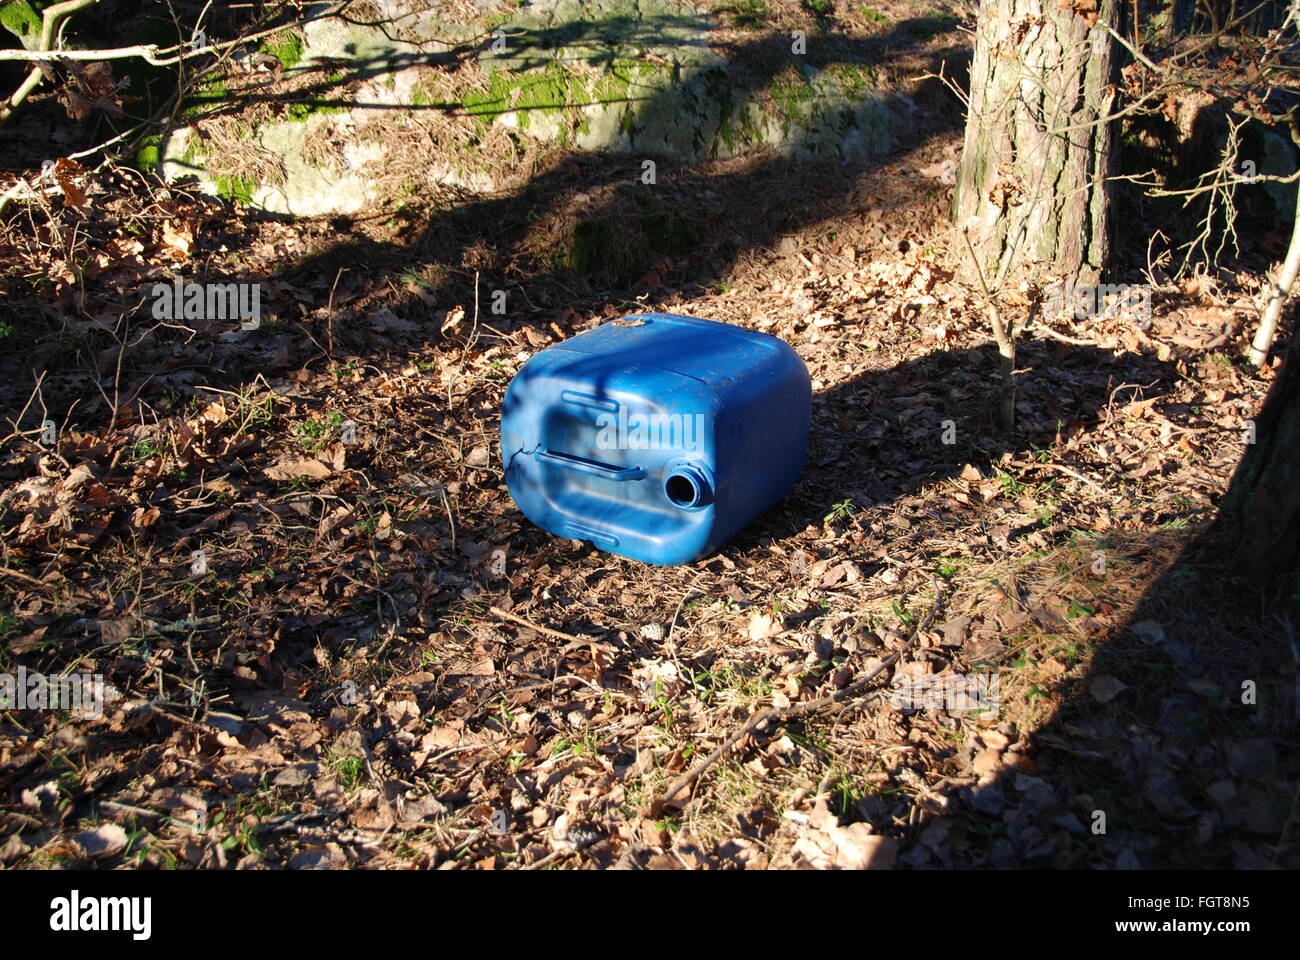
(689, 486)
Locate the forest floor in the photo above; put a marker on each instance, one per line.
(332, 639)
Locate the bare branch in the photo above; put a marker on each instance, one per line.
(1259, 347)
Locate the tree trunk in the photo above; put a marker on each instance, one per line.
(1262, 506)
(1032, 188)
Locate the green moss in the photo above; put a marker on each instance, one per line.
(737, 131)
(932, 24)
(792, 95)
(671, 234)
(549, 93)
(20, 19)
(300, 111)
(852, 77)
(618, 244)
(193, 153)
(749, 13)
(149, 155)
(286, 47)
(487, 106)
(234, 188)
(614, 86)
(627, 124)
(578, 256)
(206, 94)
(546, 92)
(873, 16)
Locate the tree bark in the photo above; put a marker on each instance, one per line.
(1032, 187)
(1262, 507)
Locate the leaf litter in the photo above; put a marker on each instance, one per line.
(329, 639)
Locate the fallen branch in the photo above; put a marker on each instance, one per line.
(151, 53)
(19, 575)
(559, 634)
(1060, 469)
(158, 55)
(551, 858)
(1044, 328)
(782, 714)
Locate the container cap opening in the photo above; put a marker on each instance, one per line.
(688, 487)
(682, 490)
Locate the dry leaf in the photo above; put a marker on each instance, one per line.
(142, 517)
(1105, 688)
(64, 170)
(762, 626)
(857, 848)
(78, 475)
(1149, 631)
(180, 239)
(454, 316)
(105, 841)
(334, 456)
(291, 469)
(115, 631)
(828, 846)
(987, 762)
(215, 412)
(945, 171)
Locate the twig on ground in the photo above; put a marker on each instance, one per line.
(551, 857)
(19, 575)
(559, 634)
(1060, 469)
(1073, 341)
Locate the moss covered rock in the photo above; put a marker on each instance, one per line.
(636, 76)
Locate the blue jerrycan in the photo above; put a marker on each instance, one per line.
(657, 436)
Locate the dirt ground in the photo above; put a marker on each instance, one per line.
(332, 640)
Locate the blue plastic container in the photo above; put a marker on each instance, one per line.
(657, 437)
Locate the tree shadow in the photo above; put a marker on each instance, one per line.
(1172, 749)
(1164, 731)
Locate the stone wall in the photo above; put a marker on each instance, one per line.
(639, 76)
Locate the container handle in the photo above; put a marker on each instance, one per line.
(595, 468)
